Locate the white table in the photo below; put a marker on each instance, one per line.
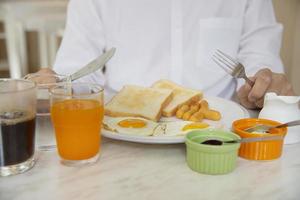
(139, 171)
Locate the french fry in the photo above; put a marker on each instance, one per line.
(197, 111)
(212, 115)
(204, 104)
(195, 106)
(182, 110)
(187, 115)
(197, 117)
(185, 108)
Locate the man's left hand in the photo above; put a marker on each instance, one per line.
(264, 81)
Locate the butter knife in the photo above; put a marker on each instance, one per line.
(93, 66)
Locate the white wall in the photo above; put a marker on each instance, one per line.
(295, 75)
(288, 13)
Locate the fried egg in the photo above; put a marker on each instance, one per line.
(179, 128)
(130, 125)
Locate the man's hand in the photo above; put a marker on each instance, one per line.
(46, 71)
(265, 81)
(43, 76)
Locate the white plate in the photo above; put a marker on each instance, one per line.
(230, 111)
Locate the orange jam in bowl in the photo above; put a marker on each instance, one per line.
(263, 150)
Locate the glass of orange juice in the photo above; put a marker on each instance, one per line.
(77, 114)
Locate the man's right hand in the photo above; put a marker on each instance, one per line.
(46, 71)
(43, 76)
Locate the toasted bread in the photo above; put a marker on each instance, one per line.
(181, 96)
(136, 101)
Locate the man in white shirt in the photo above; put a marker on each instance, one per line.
(175, 39)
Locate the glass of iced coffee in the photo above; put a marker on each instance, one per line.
(17, 125)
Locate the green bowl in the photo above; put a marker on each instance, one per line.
(211, 159)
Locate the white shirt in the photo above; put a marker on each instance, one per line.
(170, 39)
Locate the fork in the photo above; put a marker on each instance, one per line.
(231, 66)
(266, 128)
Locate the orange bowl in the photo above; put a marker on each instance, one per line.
(264, 150)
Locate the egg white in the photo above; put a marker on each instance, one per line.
(111, 123)
(175, 128)
(161, 129)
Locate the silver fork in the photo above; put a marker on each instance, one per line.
(266, 128)
(231, 66)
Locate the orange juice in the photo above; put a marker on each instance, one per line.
(77, 124)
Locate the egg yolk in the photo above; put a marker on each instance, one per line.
(195, 126)
(132, 123)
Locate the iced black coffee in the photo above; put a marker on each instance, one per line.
(17, 125)
(17, 130)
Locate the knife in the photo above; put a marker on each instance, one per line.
(93, 66)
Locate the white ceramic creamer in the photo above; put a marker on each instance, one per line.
(283, 109)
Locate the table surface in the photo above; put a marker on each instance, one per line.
(128, 170)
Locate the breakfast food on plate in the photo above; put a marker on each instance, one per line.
(143, 127)
(181, 96)
(197, 117)
(130, 125)
(137, 110)
(181, 110)
(197, 111)
(212, 115)
(136, 101)
(178, 128)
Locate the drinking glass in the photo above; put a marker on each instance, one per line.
(45, 138)
(77, 114)
(44, 83)
(17, 125)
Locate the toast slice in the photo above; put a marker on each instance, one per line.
(136, 101)
(181, 96)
